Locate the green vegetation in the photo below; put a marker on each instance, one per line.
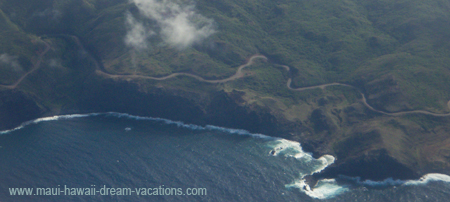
(324, 41)
(16, 49)
(396, 52)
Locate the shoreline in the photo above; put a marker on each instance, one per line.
(220, 109)
(310, 180)
(125, 97)
(161, 104)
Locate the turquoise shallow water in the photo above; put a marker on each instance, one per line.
(121, 151)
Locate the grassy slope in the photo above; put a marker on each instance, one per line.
(15, 44)
(323, 41)
(326, 41)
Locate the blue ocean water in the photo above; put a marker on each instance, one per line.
(121, 151)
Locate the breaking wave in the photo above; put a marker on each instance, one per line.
(430, 177)
(370, 183)
(277, 147)
(326, 188)
(124, 115)
(51, 118)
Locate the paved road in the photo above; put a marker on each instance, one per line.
(237, 75)
(240, 74)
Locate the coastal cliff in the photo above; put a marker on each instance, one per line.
(353, 79)
(359, 153)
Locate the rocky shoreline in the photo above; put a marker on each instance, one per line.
(218, 109)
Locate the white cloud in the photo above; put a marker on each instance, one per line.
(52, 13)
(180, 25)
(10, 61)
(137, 33)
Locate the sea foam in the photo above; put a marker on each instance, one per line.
(289, 148)
(429, 178)
(165, 121)
(371, 183)
(324, 189)
(391, 182)
(51, 118)
(279, 146)
(190, 126)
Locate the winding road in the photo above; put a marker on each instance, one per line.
(34, 68)
(364, 101)
(101, 71)
(240, 74)
(237, 75)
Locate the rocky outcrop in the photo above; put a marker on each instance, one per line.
(362, 152)
(374, 165)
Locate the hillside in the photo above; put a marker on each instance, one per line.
(388, 63)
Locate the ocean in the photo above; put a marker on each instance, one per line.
(119, 157)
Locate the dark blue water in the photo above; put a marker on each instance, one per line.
(120, 151)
